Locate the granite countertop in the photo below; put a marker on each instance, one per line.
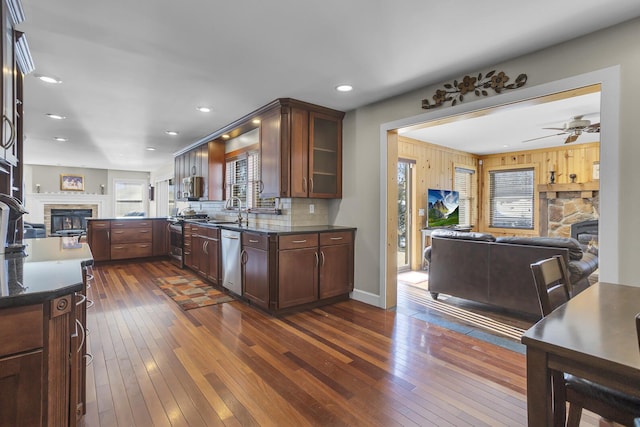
(48, 268)
(274, 229)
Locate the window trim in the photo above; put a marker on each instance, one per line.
(474, 199)
(535, 231)
(145, 194)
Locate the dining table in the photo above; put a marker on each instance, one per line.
(592, 336)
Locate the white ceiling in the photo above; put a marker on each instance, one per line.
(133, 69)
(511, 128)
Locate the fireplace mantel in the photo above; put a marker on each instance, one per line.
(586, 189)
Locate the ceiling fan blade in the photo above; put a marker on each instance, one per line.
(542, 137)
(594, 128)
(571, 138)
(556, 129)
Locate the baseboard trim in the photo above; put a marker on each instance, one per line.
(367, 298)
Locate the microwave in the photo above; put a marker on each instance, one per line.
(193, 187)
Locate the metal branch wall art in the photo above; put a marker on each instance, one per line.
(480, 86)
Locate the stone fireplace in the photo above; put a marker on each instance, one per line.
(562, 205)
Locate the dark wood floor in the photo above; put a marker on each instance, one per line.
(230, 364)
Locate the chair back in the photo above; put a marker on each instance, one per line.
(552, 283)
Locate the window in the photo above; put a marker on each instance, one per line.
(465, 185)
(511, 198)
(243, 182)
(129, 197)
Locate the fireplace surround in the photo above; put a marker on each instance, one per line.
(69, 220)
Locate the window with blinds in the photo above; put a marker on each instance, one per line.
(511, 198)
(465, 184)
(129, 197)
(243, 182)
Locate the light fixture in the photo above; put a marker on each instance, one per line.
(344, 88)
(203, 109)
(55, 116)
(150, 149)
(256, 121)
(60, 139)
(48, 79)
(225, 136)
(171, 132)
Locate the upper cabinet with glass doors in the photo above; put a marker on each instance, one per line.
(301, 150)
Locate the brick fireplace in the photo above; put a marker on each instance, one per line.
(564, 204)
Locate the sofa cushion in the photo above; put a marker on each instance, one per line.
(462, 235)
(575, 249)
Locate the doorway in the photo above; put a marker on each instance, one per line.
(609, 81)
(405, 210)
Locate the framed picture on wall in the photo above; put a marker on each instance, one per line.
(71, 182)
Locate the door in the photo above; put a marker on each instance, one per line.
(404, 213)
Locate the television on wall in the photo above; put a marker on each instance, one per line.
(442, 208)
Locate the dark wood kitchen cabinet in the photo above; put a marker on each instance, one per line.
(336, 264)
(131, 239)
(99, 239)
(160, 231)
(301, 150)
(205, 252)
(297, 269)
(257, 268)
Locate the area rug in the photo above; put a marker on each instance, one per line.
(190, 292)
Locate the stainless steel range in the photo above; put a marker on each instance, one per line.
(176, 237)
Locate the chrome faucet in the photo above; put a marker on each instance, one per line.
(240, 219)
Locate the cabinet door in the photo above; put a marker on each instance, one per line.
(325, 156)
(21, 390)
(160, 237)
(297, 277)
(213, 255)
(9, 129)
(100, 240)
(273, 174)
(216, 164)
(335, 270)
(300, 183)
(255, 276)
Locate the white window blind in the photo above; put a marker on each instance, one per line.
(464, 184)
(243, 181)
(129, 197)
(511, 197)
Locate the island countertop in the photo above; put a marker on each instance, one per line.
(272, 229)
(48, 268)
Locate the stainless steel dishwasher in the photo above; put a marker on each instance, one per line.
(231, 274)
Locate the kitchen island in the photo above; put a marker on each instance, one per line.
(42, 323)
(282, 268)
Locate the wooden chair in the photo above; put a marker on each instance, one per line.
(554, 289)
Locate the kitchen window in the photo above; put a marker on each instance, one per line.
(243, 182)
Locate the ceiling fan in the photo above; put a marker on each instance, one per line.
(574, 128)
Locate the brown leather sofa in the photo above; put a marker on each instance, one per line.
(479, 267)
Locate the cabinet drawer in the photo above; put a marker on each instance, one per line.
(212, 232)
(100, 225)
(141, 235)
(295, 241)
(131, 250)
(258, 241)
(336, 238)
(135, 223)
(21, 329)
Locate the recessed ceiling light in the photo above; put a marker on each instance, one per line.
(60, 139)
(150, 149)
(171, 132)
(55, 116)
(48, 79)
(225, 136)
(256, 121)
(344, 88)
(203, 109)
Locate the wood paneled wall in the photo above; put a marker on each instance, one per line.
(566, 160)
(434, 169)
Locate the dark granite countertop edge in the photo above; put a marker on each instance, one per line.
(280, 230)
(38, 297)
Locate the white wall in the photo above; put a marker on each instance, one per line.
(362, 170)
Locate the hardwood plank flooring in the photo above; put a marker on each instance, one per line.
(347, 364)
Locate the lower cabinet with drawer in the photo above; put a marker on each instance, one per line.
(117, 239)
(131, 239)
(257, 267)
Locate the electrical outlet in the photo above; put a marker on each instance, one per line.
(420, 212)
(312, 208)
